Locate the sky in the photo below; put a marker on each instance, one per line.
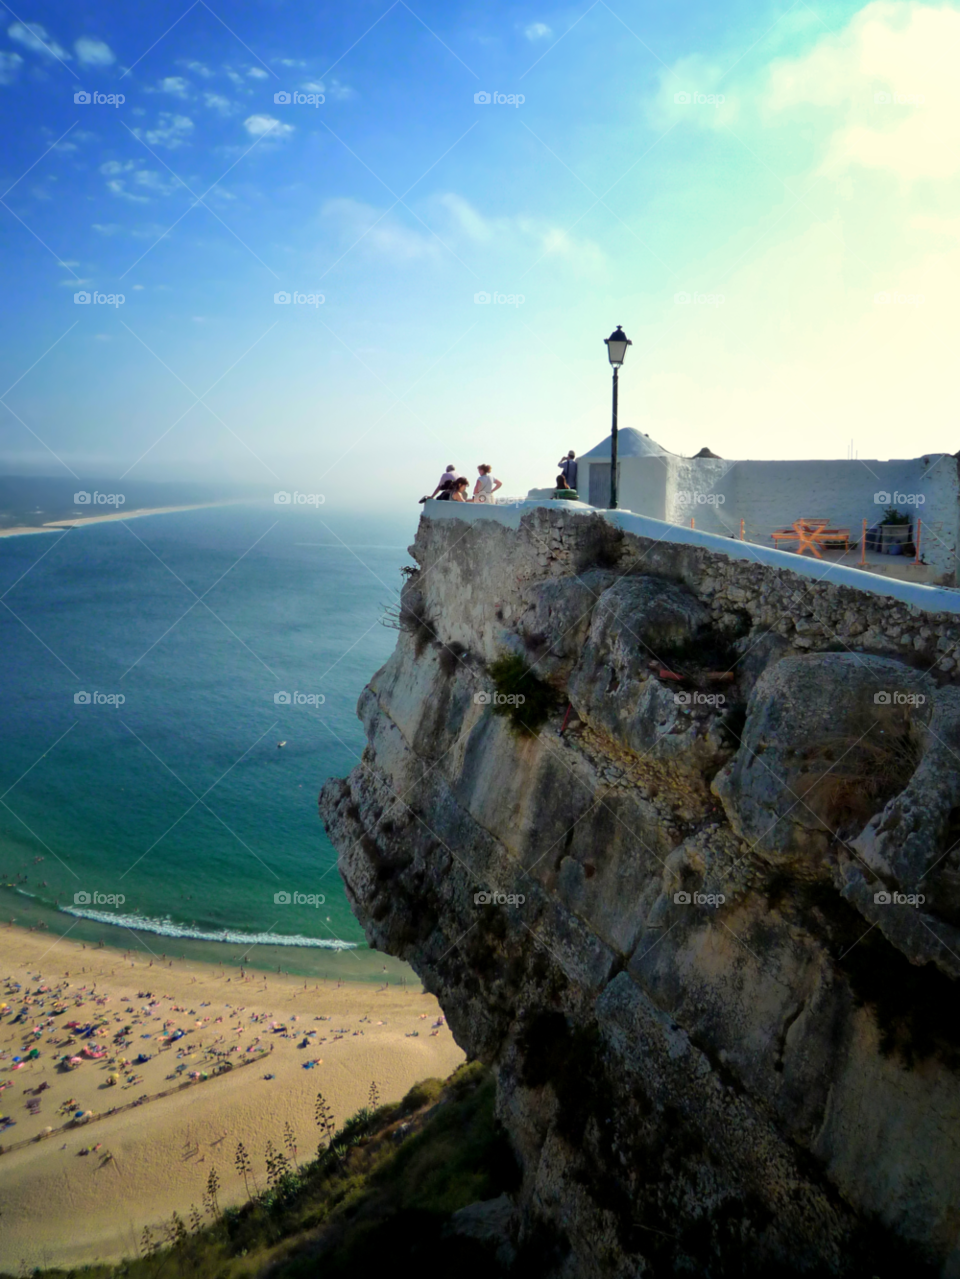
(462, 202)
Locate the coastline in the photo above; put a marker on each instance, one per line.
(166, 1132)
(52, 526)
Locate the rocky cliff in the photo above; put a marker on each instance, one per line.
(697, 900)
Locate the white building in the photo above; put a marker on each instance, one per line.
(717, 494)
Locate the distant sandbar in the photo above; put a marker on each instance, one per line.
(53, 525)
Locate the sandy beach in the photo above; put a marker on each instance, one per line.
(53, 525)
(170, 1126)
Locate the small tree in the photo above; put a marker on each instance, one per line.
(290, 1141)
(278, 1166)
(178, 1231)
(245, 1167)
(374, 1098)
(325, 1122)
(210, 1200)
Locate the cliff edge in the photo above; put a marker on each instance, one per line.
(696, 899)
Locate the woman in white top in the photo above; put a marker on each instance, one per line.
(486, 485)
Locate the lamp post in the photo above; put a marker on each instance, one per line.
(617, 344)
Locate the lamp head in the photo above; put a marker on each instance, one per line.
(617, 344)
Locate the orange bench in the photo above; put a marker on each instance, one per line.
(812, 534)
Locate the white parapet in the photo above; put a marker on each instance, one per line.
(931, 599)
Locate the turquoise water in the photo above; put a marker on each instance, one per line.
(178, 799)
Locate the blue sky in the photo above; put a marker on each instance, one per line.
(765, 197)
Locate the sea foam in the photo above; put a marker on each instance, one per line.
(167, 928)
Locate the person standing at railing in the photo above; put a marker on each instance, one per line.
(486, 485)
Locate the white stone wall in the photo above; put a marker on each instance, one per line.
(717, 494)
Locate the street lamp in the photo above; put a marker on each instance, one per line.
(617, 344)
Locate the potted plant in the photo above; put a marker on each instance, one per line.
(894, 530)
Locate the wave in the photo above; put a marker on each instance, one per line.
(167, 928)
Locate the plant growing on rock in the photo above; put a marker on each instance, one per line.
(523, 697)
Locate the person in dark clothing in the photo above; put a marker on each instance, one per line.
(568, 465)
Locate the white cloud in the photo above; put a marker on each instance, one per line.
(34, 37)
(694, 93)
(10, 64)
(137, 287)
(335, 90)
(235, 78)
(93, 53)
(107, 228)
(538, 31)
(383, 236)
(171, 131)
(175, 85)
(548, 240)
(117, 186)
(467, 220)
(200, 69)
(259, 126)
(291, 62)
(154, 181)
(258, 73)
(890, 78)
(217, 102)
(112, 167)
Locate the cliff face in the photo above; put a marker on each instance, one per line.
(686, 932)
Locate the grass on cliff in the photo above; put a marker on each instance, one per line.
(378, 1196)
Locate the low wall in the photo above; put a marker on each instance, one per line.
(718, 493)
(813, 605)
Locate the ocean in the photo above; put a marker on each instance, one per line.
(151, 671)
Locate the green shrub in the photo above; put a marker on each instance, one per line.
(425, 1093)
(530, 700)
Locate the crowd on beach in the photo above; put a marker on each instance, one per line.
(194, 1043)
(454, 488)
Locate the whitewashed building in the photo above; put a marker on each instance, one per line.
(718, 493)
